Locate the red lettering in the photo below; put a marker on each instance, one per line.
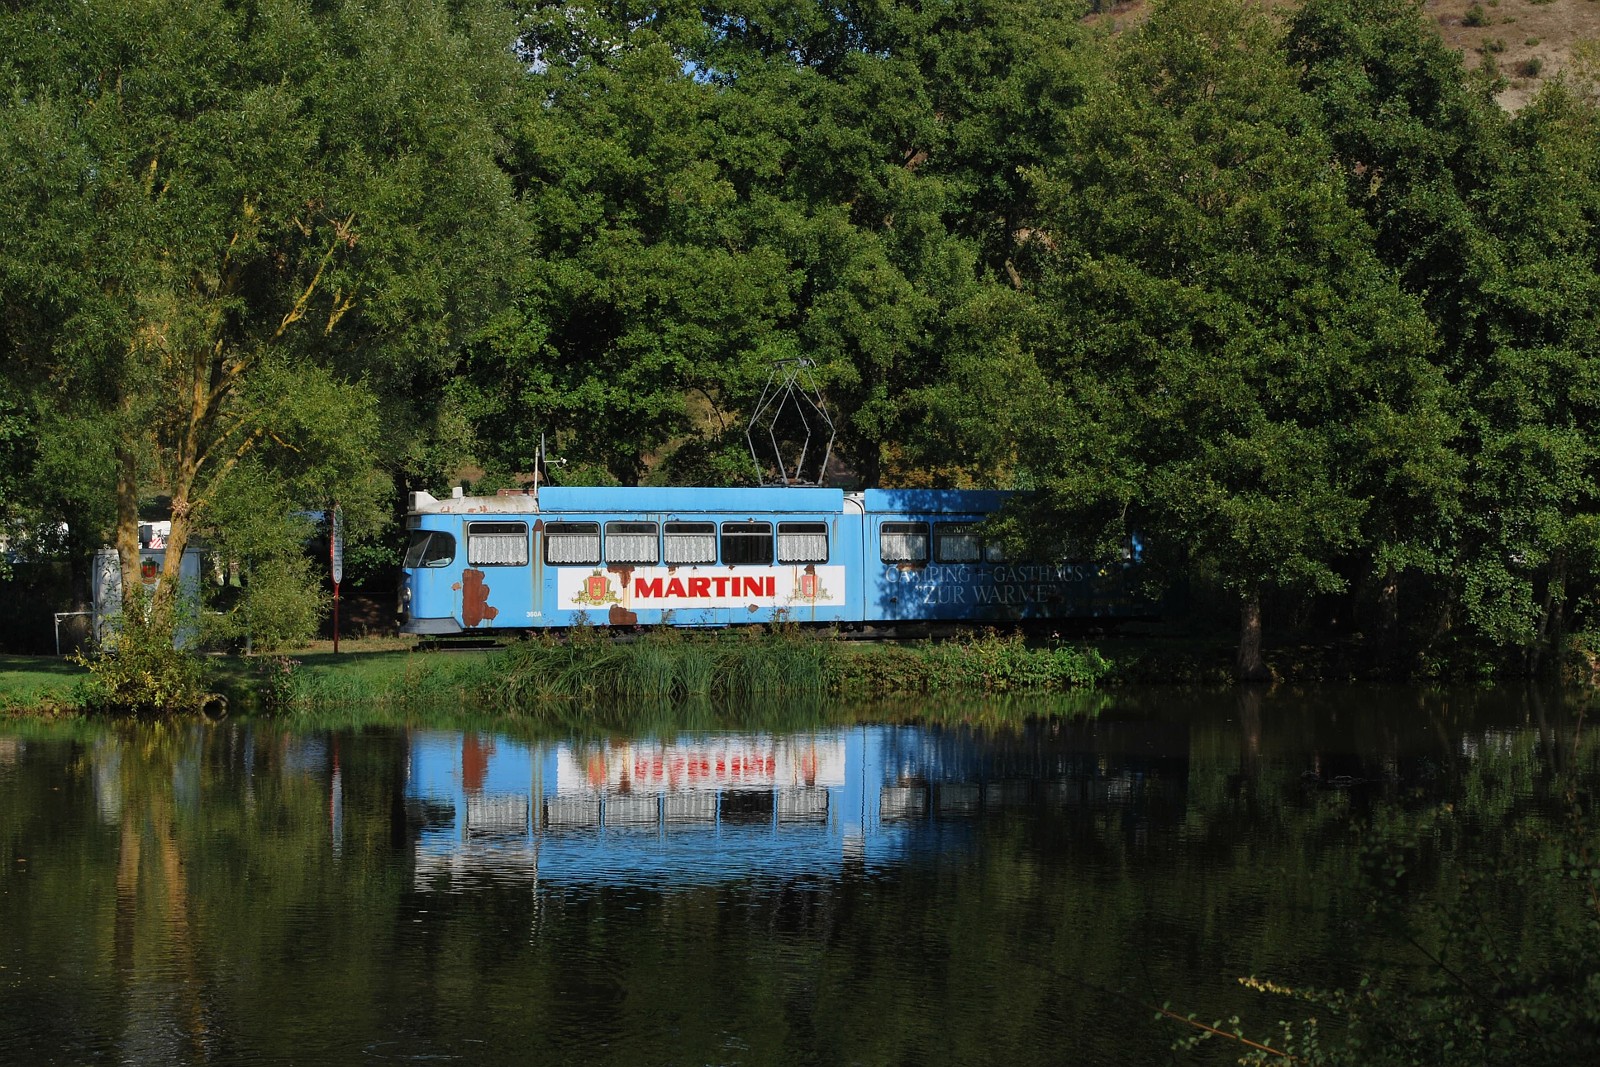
(722, 585)
(772, 586)
(675, 588)
(699, 586)
(647, 587)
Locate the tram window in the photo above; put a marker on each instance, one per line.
(430, 548)
(955, 543)
(994, 552)
(747, 542)
(688, 543)
(572, 542)
(632, 542)
(903, 542)
(802, 542)
(497, 544)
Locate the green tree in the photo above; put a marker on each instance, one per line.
(1531, 383)
(242, 223)
(1490, 220)
(719, 189)
(1224, 362)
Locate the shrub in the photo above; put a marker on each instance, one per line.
(277, 682)
(280, 604)
(1475, 16)
(143, 674)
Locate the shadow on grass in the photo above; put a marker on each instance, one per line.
(48, 665)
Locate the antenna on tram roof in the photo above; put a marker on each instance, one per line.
(792, 416)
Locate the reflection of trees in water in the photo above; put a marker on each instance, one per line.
(155, 951)
(224, 851)
(1460, 864)
(232, 915)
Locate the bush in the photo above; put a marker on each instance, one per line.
(1475, 16)
(143, 674)
(280, 604)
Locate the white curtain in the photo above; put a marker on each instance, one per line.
(581, 547)
(802, 547)
(958, 547)
(630, 548)
(497, 549)
(903, 547)
(691, 548)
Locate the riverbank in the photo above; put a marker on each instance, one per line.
(660, 665)
(673, 666)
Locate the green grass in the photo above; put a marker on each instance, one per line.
(32, 682)
(547, 678)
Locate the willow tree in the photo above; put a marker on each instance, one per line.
(238, 225)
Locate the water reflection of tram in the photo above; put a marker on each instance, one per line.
(706, 808)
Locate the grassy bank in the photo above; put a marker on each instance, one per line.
(375, 676)
(35, 684)
(587, 667)
(673, 666)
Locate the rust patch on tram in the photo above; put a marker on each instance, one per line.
(619, 615)
(475, 607)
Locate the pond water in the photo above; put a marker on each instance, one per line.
(777, 886)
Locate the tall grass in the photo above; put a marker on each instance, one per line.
(663, 664)
(675, 667)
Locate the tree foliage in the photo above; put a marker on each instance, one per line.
(1288, 295)
(245, 223)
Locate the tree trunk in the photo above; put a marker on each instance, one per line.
(166, 600)
(1389, 606)
(1250, 665)
(870, 467)
(157, 611)
(1386, 635)
(1552, 621)
(127, 534)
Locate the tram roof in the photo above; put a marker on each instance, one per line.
(933, 501)
(677, 499)
(648, 500)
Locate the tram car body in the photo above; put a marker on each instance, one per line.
(566, 556)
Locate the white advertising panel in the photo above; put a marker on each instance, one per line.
(675, 588)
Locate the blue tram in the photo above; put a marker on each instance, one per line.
(563, 556)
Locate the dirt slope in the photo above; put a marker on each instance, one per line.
(1529, 41)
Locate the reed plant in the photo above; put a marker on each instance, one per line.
(985, 662)
(664, 664)
(674, 666)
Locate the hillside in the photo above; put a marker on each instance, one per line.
(1529, 41)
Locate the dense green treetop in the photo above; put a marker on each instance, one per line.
(244, 224)
(1286, 292)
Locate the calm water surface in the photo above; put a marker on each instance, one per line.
(796, 888)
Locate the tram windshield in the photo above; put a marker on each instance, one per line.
(430, 548)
